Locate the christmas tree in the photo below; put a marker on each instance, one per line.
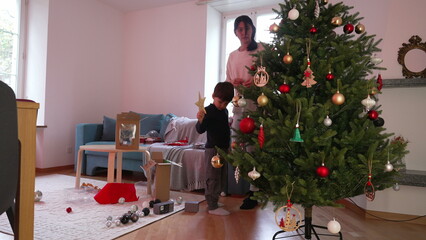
(316, 135)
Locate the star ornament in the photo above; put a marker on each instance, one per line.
(200, 103)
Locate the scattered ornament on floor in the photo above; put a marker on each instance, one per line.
(133, 208)
(108, 223)
(284, 88)
(322, 171)
(124, 219)
(179, 200)
(38, 195)
(396, 187)
(247, 125)
(121, 200)
(216, 161)
(262, 100)
(379, 122)
(237, 174)
(261, 136)
(327, 121)
(338, 98)
(134, 217)
(253, 174)
(336, 21)
(69, 209)
(261, 77)
(293, 14)
(333, 226)
(348, 28)
(145, 211)
(368, 102)
(242, 102)
(360, 28)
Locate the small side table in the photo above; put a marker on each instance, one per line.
(112, 151)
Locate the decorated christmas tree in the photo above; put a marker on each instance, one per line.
(316, 135)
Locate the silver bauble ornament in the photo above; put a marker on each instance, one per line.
(368, 102)
(179, 200)
(121, 200)
(333, 226)
(38, 195)
(396, 187)
(242, 102)
(388, 167)
(327, 121)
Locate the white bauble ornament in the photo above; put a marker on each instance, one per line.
(242, 102)
(327, 121)
(388, 167)
(368, 102)
(121, 200)
(376, 60)
(396, 187)
(38, 195)
(254, 174)
(293, 14)
(333, 226)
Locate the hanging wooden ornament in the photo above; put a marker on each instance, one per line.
(308, 75)
(261, 136)
(253, 174)
(237, 174)
(261, 77)
(288, 217)
(369, 190)
(296, 136)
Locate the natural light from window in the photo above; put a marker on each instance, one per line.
(9, 41)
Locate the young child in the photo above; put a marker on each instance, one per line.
(215, 121)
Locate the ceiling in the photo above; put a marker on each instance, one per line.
(220, 5)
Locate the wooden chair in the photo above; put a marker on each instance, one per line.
(9, 153)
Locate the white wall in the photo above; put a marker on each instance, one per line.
(164, 59)
(83, 74)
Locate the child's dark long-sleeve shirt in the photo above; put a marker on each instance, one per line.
(216, 124)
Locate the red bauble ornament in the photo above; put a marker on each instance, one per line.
(379, 82)
(261, 136)
(284, 88)
(373, 115)
(323, 171)
(348, 28)
(69, 209)
(247, 125)
(313, 30)
(253, 67)
(329, 76)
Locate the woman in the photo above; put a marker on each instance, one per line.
(237, 74)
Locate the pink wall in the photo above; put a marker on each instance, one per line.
(164, 59)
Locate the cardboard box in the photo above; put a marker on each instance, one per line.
(192, 206)
(161, 178)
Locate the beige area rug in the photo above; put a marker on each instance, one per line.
(88, 218)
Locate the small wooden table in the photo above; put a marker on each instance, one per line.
(112, 151)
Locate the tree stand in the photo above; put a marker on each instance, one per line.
(309, 228)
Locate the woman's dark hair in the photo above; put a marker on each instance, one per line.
(224, 91)
(247, 21)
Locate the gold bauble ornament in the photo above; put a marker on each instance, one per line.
(325, 1)
(359, 28)
(336, 21)
(216, 161)
(262, 100)
(287, 59)
(274, 28)
(338, 98)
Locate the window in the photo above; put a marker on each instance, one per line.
(9, 42)
(262, 21)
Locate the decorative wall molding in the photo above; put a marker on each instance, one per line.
(404, 82)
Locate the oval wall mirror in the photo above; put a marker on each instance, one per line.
(412, 57)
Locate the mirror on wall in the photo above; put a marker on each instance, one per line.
(412, 57)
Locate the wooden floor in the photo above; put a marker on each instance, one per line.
(259, 223)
